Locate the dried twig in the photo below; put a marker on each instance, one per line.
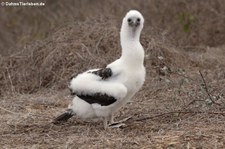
(207, 90)
(7, 110)
(192, 102)
(179, 112)
(10, 80)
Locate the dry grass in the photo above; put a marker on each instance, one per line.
(168, 115)
(174, 108)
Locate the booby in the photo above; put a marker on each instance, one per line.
(99, 93)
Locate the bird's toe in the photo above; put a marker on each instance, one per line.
(117, 125)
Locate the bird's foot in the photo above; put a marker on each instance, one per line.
(117, 125)
(120, 123)
(113, 124)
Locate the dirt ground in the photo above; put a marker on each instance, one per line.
(164, 115)
(181, 105)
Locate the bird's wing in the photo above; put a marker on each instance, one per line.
(93, 87)
(104, 73)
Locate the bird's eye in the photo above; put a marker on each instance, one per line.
(138, 19)
(129, 20)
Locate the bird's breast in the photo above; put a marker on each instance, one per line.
(134, 80)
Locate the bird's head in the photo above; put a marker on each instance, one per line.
(134, 19)
(133, 23)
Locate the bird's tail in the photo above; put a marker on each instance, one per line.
(63, 117)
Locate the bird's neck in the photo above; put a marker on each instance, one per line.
(132, 50)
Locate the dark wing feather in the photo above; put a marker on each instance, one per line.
(102, 99)
(103, 73)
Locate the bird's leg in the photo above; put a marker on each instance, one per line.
(111, 119)
(105, 123)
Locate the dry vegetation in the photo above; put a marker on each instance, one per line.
(180, 106)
